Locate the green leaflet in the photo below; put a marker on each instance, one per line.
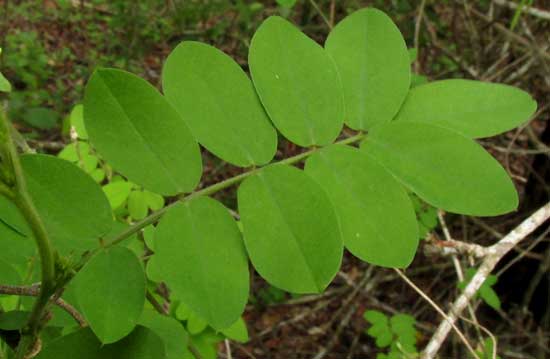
(201, 256)
(142, 343)
(76, 119)
(137, 205)
(74, 209)
(8, 274)
(473, 108)
(11, 217)
(373, 62)
(297, 83)
(139, 133)
(110, 290)
(443, 167)
(290, 229)
(171, 331)
(5, 85)
(13, 320)
(117, 193)
(218, 102)
(377, 219)
(237, 331)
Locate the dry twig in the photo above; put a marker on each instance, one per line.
(495, 254)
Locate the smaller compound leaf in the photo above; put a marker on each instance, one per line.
(137, 205)
(154, 201)
(117, 193)
(297, 82)
(376, 216)
(201, 256)
(373, 62)
(171, 332)
(490, 297)
(443, 167)
(402, 324)
(473, 108)
(110, 290)
(74, 209)
(290, 229)
(218, 102)
(139, 133)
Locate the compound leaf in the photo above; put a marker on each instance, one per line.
(201, 256)
(218, 102)
(290, 229)
(375, 213)
(111, 292)
(443, 167)
(473, 108)
(297, 83)
(139, 133)
(73, 207)
(373, 63)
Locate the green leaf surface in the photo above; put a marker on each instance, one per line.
(139, 133)
(5, 85)
(12, 217)
(80, 154)
(473, 108)
(171, 332)
(40, 117)
(142, 343)
(218, 102)
(443, 167)
(237, 331)
(13, 320)
(297, 83)
(74, 209)
(117, 193)
(154, 201)
(111, 293)
(137, 205)
(196, 324)
(201, 255)
(81, 344)
(376, 216)
(373, 63)
(76, 119)
(8, 274)
(290, 229)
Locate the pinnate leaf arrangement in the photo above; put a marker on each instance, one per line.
(353, 191)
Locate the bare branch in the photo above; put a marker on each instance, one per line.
(494, 255)
(33, 291)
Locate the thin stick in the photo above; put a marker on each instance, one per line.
(33, 291)
(417, 33)
(438, 309)
(495, 254)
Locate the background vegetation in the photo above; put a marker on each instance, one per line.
(50, 48)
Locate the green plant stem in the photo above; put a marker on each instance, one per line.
(213, 189)
(24, 202)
